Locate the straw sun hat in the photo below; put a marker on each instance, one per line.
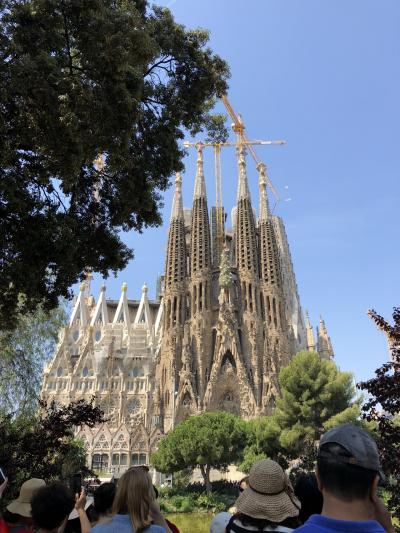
(22, 505)
(269, 495)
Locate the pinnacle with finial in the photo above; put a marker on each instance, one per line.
(243, 187)
(262, 183)
(177, 204)
(199, 184)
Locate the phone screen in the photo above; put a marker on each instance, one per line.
(77, 483)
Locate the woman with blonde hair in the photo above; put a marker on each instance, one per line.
(135, 509)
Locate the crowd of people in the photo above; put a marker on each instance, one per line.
(340, 497)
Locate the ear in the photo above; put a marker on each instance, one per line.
(374, 487)
(319, 481)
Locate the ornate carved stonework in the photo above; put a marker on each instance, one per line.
(215, 338)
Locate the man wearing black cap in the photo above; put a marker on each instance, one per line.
(348, 472)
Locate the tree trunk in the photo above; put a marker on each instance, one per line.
(205, 472)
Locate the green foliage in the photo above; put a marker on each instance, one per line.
(79, 79)
(315, 397)
(382, 407)
(42, 444)
(193, 498)
(209, 440)
(24, 351)
(262, 441)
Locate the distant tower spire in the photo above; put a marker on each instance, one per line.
(200, 250)
(177, 203)
(246, 239)
(262, 183)
(200, 269)
(324, 345)
(243, 186)
(310, 335)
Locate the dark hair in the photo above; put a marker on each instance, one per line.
(104, 497)
(291, 522)
(11, 518)
(51, 505)
(307, 491)
(345, 481)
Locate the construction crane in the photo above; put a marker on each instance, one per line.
(241, 141)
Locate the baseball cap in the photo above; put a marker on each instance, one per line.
(361, 448)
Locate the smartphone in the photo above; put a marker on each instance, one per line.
(2, 477)
(76, 483)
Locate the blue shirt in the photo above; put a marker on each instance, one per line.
(121, 523)
(322, 524)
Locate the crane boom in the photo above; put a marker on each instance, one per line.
(238, 127)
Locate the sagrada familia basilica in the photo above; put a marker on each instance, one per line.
(226, 318)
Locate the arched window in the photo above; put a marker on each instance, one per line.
(133, 406)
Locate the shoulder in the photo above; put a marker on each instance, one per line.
(219, 522)
(155, 529)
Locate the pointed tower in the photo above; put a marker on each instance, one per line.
(200, 279)
(276, 348)
(175, 309)
(324, 345)
(247, 264)
(310, 334)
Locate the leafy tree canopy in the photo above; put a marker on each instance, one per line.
(383, 406)
(42, 445)
(79, 79)
(315, 396)
(24, 351)
(209, 440)
(262, 441)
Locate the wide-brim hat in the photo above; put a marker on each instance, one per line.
(22, 505)
(270, 495)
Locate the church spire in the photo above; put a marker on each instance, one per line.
(310, 334)
(243, 186)
(324, 345)
(246, 236)
(200, 246)
(199, 183)
(177, 204)
(262, 183)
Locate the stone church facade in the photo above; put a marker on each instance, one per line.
(226, 319)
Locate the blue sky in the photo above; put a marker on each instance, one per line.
(325, 76)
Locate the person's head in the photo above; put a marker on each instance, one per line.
(348, 466)
(51, 506)
(307, 491)
(20, 508)
(104, 498)
(269, 497)
(243, 483)
(134, 496)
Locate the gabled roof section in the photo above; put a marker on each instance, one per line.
(122, 313)
(143, 315)
(100, 315)
(79, 313)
